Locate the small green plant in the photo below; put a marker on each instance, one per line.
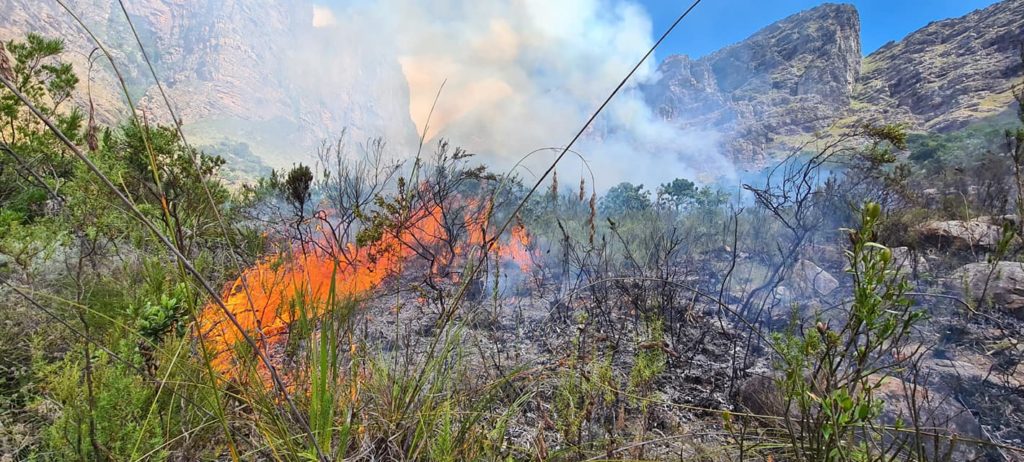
(161, 316)
(829, 375)
(573, 402)
(650, 362)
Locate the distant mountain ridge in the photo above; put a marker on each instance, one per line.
(805, 74)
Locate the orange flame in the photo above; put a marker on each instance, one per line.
(519, 249)
(264, 300)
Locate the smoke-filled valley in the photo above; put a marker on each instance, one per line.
(397, 230)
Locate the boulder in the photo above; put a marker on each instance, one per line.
(810, 280)
(6, 266)
(1000, 284)
(909, 262)
(938, 409)
(935, 405)
(984, 233)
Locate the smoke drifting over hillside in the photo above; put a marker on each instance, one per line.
(522, 75)
(282, 75)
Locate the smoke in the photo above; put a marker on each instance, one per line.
(520, 75)
(323, 17)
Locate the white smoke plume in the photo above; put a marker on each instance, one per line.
(525, 74)
(520, 75)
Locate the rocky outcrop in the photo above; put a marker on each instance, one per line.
(948, 73)
(1000, 284)
(774, 90)
(981, 233)
(809, 279)
(790, 78)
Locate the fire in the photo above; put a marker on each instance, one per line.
(264, 298)
(519, 249)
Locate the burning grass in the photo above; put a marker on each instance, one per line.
(275, 293)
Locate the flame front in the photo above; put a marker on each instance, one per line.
(264, 299)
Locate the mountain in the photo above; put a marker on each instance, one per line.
(790, 78)
(805, 74)
(948, 73)
(255, 71)
(266, 79)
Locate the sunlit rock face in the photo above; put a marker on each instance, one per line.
(790, 78)
(948, 73)
(803, 74)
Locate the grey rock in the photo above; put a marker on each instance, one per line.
(811, 280)
(982, 233)
(1000, 284)
(937, 408)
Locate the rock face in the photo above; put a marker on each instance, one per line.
(772, 91)
(252, 70)
(790, 78)
(1001, 284)
(978, 233)
(948, 73)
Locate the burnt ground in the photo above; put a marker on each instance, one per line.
(989, 379)
(542, 334)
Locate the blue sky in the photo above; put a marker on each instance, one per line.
(717, 23)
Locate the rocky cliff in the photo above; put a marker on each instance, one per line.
(805, 73)
(948, 73)
(790, 78)
(262, 72)
(252, 70)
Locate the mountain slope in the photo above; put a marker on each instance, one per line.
(262, 72)
(804, 74)
(948, 73)
(236, 70)
(790, 78)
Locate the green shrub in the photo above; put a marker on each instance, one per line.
(829, 374)
(111, 425)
